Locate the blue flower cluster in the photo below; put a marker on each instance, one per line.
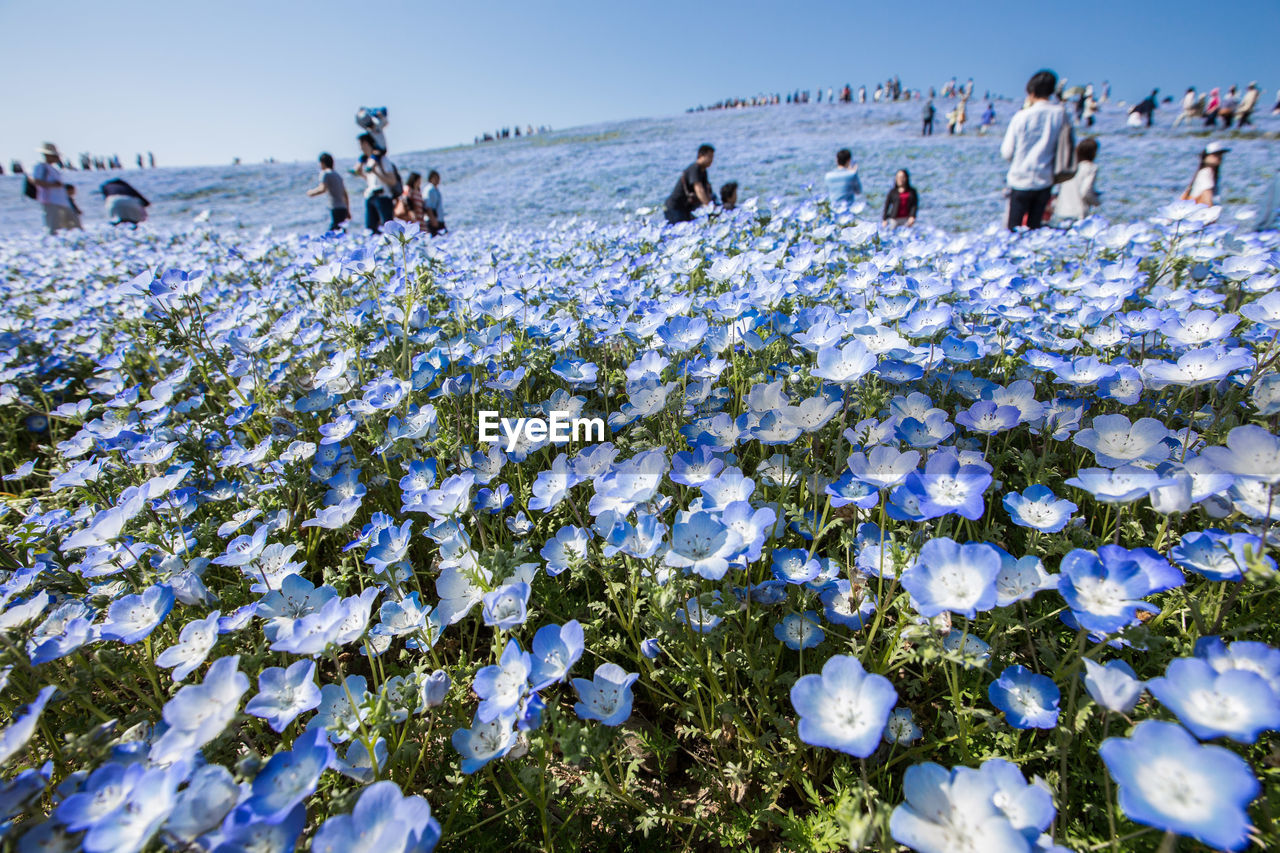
(263, 581)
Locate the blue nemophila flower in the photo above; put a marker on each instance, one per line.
(987, 418)
(844, 365)
(132, 618)
(1169, 781)
(845, 708)
(358, 764)
(383, 819)
(289, 777)
(1038, 508)
(15, 737)
(342, 707)
(283, 694)
(850, 490)
(390, 545)
(552, 486)
(794, 566)
(1205, 366)
(1251, 452)
(927, 433)
(200, 807)
(947, 485)
(198, 713)
(607, 696)
(567, 546)
(1123, 484)
(1237, 703)
(1115, 441)
(1242, 654)
(404, 617)
(901, 728)
(500, 686)
(122, 809)
(1113, 685)
(1028, 700)
(507, 606)
(485, 741)
(335, 517)
(953, 577)
(556, 648)
(193, 646)
(703, 544)
(799, 631)
(1020, 578)
(846, 604)
(696, 467)
(883, 467)
(1217, 555)
(1104, 595)
(992, 808)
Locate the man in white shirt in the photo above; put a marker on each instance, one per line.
(51, 192)
(1030, 144)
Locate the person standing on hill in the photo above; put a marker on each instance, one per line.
(1211, 108)
(433, 204)
(1079, 196)
(1247, 105)
(1030, 145)
(1227, 109)
(843, 183)
(51, 192)
(692, 189)
(331, 183)
(382, 186)
(1188, 112)
(927, 113)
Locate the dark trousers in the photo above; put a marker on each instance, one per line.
(377, 210)
(1245, 118)
(340, 215)
(674, 216)
(1028, 203)
(927, 130)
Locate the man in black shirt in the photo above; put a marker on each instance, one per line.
(693, 189)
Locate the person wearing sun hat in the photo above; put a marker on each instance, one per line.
(1204, 186)
(51, 192)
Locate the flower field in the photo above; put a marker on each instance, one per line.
(949, 541)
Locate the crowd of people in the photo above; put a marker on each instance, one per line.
(1052, 177)
(1214, 109)
(891, 90)
(387, 197)
(124, 204)
(88, 162)
(510, 132)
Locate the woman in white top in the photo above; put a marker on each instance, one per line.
(1204, 186)
(1079, 196)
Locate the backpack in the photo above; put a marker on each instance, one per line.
(1064, 155)
(28, 188)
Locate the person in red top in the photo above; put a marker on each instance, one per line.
(901, 203)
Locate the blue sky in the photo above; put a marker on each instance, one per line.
(204, 82)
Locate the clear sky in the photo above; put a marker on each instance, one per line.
(202, 82)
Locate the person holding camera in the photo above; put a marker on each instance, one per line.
(382, 183)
